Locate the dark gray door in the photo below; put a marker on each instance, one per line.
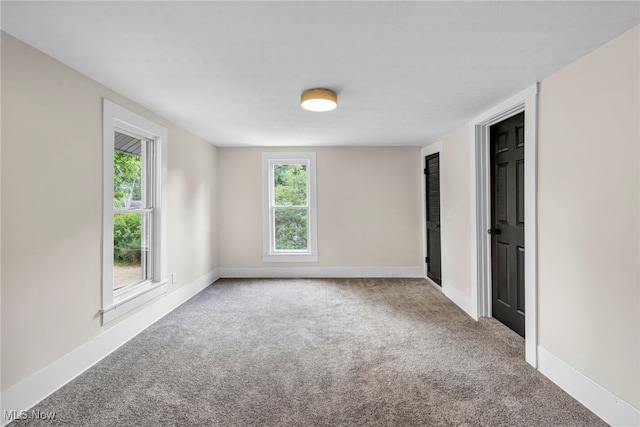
(432, 177)
(507, 222)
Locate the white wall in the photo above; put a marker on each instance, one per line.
(589, 216)
(52, 208)
(369, 207)
(456, 244)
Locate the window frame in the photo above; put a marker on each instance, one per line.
(116, 303)
(269, 252)
(147, 209)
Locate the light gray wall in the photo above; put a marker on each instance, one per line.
(455, 206)
(588, 215)
(369, 207)
(52, 208)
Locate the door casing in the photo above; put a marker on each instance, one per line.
(480, 169)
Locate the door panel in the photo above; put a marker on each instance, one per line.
(502, 272)
(502, 189)
(433, 253)
(432, 185)
(520, 306)
(520, 193)
(507, 222)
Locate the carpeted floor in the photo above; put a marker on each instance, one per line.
(317, 352)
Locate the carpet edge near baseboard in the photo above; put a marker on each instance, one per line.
(44, 382)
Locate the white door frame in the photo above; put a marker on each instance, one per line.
(430, 149)
(481, 211)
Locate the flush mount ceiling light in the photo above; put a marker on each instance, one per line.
(318, 100)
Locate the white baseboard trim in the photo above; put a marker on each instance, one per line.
(596, 398)
(310, 272)
(459, 299)
(44, 382)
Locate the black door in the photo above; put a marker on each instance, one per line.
(507, 222)
(432, 177)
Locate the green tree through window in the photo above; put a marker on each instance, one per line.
(290, 206)
(127, 228)
(127, 172)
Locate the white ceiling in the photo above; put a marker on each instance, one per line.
(406, 73)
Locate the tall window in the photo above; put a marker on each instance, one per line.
(133, 225)
(289, 207)
(133, 209)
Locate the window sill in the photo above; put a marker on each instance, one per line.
(132, 299)
(290, 257)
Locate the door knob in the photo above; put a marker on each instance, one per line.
(493, 231)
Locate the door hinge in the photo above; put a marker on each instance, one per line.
(425, 171)
(426, 259)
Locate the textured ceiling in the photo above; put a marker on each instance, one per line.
(232, 72)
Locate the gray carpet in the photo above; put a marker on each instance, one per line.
(325, 352)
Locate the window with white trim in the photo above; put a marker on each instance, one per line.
(134, 229)
(289, 207)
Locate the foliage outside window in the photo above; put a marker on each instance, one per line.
(127, 228)
(289, 221)
(134, 227)
(290, 206)
(133, 209)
